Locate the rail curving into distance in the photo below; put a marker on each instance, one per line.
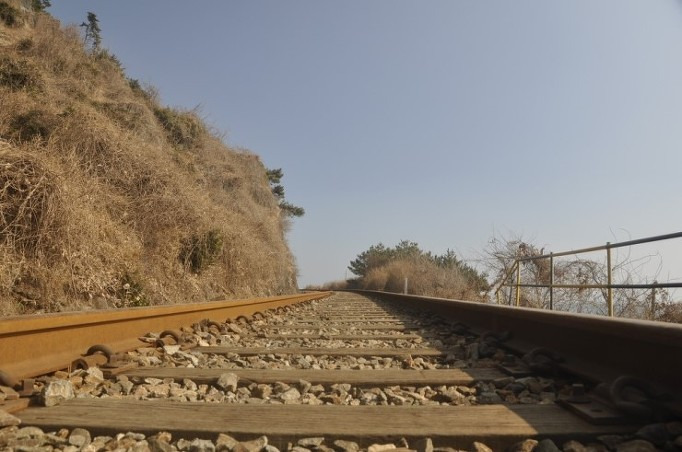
(39, 344)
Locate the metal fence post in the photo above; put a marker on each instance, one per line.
(510, 291)
(609, 277)
(551, 281)
(518, 283)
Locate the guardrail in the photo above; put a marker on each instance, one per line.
(609, 286)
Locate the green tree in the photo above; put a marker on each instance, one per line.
(275, 177)
(278, 191)
(92, 31)
(379, 256)
(291, 210)
(407, 250)
(376, 256)
(40, 5)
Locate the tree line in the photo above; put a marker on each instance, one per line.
(384, 267)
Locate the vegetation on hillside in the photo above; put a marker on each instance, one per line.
(109, 198)
(386, 268)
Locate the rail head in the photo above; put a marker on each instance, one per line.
(34, 345)
(603, 347)
(27, 323)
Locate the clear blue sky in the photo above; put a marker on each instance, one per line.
(441, 122)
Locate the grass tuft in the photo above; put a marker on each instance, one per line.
(18, 74)
(200, 251)
(25, 45)
(9, 15)
(183, 128)
(34, 124)
(29, 203)
(131, 292)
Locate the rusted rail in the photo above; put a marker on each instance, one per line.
(598, 348)
(35, 345)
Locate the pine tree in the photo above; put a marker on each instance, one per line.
(274, 177)
(92, 31)
(40, 5)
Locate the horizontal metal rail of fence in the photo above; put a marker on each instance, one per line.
(609, 286)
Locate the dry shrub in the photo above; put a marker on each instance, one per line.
(23, 118)
(184, 128)
(201, 250)
(72, 72)
(134, 117)
(24, 45)
(59, 50)
(424, 278)
(59, 250)
(17, 74)
(34, 124)
(9, 15)
(669, 312)
(332, 285)
(29, 194)
(375, 279)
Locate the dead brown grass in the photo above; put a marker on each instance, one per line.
(100, 196)
(424, 278)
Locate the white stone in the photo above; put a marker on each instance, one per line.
(7, 419)
(79, 437)
(58, 391)
(228, 381)
(380, 447)
(347, 446)
(311, 442)
(290, 395)
(201, 445)
(254, 445)
(171, 349)
(225, 442)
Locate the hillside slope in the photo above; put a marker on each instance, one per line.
(109, 199)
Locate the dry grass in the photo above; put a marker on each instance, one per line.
(332, 285)
(424, 278)
(107, 202)
(29, 204)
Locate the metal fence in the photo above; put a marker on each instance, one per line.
(507, 280)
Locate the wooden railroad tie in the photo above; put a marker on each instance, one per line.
(383, 377)
(383, 352)
(344, 337)
(497, 425)
(345, 327)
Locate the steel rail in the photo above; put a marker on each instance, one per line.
(596, 347)
(38, 344)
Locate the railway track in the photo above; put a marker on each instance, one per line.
(346, 372)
